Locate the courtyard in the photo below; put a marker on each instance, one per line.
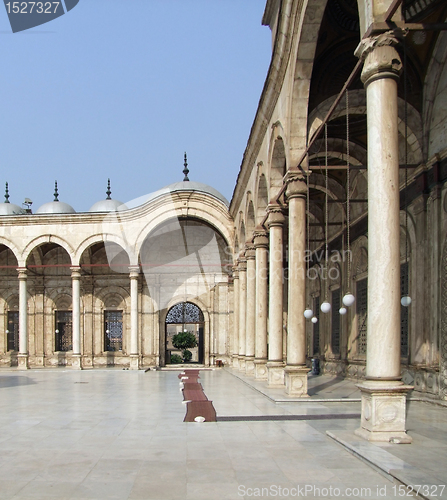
(119, 434)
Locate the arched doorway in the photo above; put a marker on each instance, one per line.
(185, 316)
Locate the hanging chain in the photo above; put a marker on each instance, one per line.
(348, 195)
(308, 229)
(326, 213)
(406, 291)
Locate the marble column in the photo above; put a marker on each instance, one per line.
(76, 362)
(250, 316)
(235, 351)
(296, 370)
(23, 356)
(275, 364)
(134, 272)
(242, 311)
(261, 243)
(383, 392)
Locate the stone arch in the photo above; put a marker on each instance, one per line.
(262, 198)
(242, 234)
(278, 164)
(12, 246)
(111, 297)
(250, 218)
(46, 238)
(101, 238)
(301, 74)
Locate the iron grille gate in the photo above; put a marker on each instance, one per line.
(184, 312)
(64, 331)
(113, 330)
(336, 321)
(13, 330)
(362, 314)
(404, 310)
(316, 327)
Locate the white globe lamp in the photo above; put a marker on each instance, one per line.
(342, 311)
(308, 313)
(405, 300)
(348, 299)
(314, 319)
(325, 307)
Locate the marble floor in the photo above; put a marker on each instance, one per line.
(118, 434)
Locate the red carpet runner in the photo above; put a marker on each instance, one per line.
(197, 404)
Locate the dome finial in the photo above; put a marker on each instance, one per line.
(108, 192)
(56, 194)
(6, 193)
(185, 170)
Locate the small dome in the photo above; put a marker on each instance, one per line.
(108, 205)
(11, 209)
(7, 208)
(55, 206)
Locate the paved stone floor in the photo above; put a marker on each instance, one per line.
(114, 434)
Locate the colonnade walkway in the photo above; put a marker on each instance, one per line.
(118, 434)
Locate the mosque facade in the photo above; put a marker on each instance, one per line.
(333, 247)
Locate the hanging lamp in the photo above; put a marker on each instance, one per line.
(406, 299)
(326, 306)
(308, 313)
(348, 298)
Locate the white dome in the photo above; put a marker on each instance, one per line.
(11, 209)
(108, 206)
(55, 207)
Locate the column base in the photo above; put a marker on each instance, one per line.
(241, 363)
(76, 363)
(384, 411)
(235, 361)
(260, 369)
(275, 371)
(134, 362)
(250, 366)
(22, 361)
(296, 381)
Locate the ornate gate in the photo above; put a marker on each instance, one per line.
(185, 317)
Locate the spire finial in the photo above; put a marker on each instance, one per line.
(56, 194)
(6, 194)
(108, 192)
(186, 170)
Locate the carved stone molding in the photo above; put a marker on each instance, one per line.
(276, 216)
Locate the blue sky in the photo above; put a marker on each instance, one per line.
(121, 88)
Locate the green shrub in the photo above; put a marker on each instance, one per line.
(187, 355)
(176, 359)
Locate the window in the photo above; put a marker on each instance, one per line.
(316, 327)
(113, 330)
(13, 331)
(64, 331)
(362, 310)
(335, 340)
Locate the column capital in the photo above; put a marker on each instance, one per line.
(275, 215)
(381, 59)
(235, 272)
(23, 273)
(242, 265)
(250, 252)
(134, 272)
(260, 238)
(296, 184)
(75, 272)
